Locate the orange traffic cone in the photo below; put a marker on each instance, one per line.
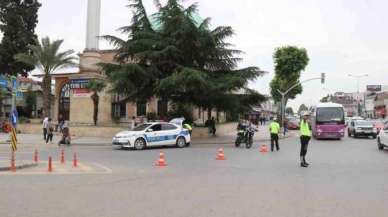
(36, 156)
(75, 161)
(263, 148)
(62, 156)
(220, 155)
(161, 162)
(13, 166)
(50, 166)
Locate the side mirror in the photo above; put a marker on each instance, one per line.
(149, 130)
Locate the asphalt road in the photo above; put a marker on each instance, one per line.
(345, 178)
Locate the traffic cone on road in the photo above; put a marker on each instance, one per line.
(263, 148)
(75, 161)
(13, 166)
(221, 155)
(62, 156)
(36, 156)
(50, 166)
(161, 162)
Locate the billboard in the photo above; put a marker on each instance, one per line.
(373, 88)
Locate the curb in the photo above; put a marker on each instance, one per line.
(23, 166)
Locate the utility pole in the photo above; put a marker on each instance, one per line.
(358, 90)
(283, 94)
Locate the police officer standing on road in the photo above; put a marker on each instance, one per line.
(274, 129)
(305, 136)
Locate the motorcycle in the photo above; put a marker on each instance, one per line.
(245, 135)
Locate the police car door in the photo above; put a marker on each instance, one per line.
(153, 135)
(170, 133)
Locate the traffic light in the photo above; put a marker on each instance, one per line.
(322, 78)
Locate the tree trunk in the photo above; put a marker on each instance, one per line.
(95, 99)
(209, 113)
(46, 86)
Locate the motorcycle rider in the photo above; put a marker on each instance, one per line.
(274, 129)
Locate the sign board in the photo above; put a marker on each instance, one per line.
(81, 92)
(3, 83)
(373, 88)
(78, 83)
(14, 84)
(14, 118)
(19, 94)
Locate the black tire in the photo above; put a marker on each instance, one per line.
(140, 144)
(355, 134)
(237, 142)
(349, 133)
(379, 145)
(181, 142)
(249, 143)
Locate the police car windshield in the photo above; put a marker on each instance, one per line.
(141, 127)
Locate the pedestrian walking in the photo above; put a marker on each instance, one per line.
(133, 123)
(213, 126)
(285, 127)
(45, 127)
(50, 132)
(305, 136)
(61, 121)
(274, 129)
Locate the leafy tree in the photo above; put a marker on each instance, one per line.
(31, 99)
(302, 108)
(289, 111)
(18, 19)
(325, 98)
(95, 86)
(179, 58)
(47, 58)
(289, 61)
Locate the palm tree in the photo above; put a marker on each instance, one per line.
(95, 86)
(47, 58)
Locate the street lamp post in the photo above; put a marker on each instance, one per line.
(283, 94)
(358, 89)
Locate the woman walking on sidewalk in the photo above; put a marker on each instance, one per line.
(50, 131)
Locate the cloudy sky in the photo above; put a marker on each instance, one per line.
(341, 36)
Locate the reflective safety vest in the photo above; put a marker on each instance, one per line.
(274, 127)
(305, 128)
(187, 126)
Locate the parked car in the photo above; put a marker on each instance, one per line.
(153, 134)
(382, 137)
(359, 128)
(379, 124)
(293, 124)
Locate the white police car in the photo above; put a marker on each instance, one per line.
(153, 134)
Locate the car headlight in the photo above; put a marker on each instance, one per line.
(319, 131)
(341, 130)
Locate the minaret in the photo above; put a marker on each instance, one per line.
(93, 24)
(91, 56)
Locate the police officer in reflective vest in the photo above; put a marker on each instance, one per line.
(305, 136)
(274, 129)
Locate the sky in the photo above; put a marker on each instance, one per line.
(342, 37)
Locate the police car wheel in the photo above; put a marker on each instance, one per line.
(140, 144)
(379, 145)
(181, 142)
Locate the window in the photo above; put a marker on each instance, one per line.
(141, 127)
(156, 127)
(168, 127)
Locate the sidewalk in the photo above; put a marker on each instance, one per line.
(226, 134)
